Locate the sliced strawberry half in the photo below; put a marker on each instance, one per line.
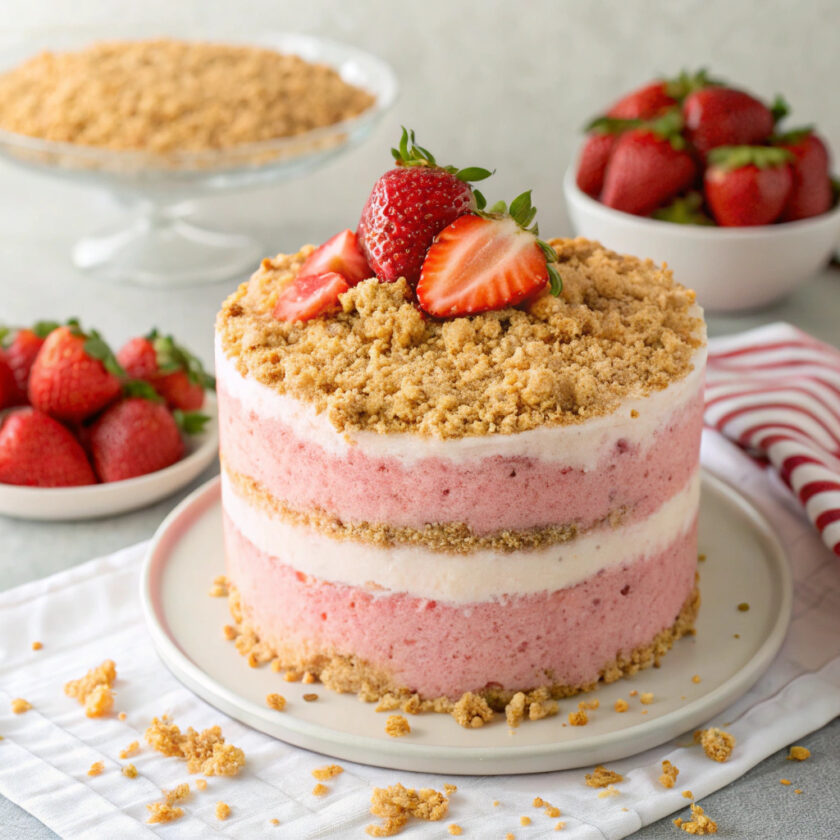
(480, 263)
(309, 296)
(340, 254)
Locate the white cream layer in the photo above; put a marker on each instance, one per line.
(461, 578)
(579, 446)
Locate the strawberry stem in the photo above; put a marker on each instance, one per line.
(410, 154)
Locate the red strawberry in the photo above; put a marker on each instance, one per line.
(597, 149)
(37, 451)
(170, 368)
(408, 206)
(138, 358)
(811, 194)
(310, 296)
(179, 391)
(340, 254)
(747, 185)
(22, 350)
(643, 104)
(652, 100)
(74, 375)
(9, 392)
(647, 170)
(720, 116)
(134, 437)
(480, 263)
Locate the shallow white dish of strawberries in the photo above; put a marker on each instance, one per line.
(85, 433)
(699, 174)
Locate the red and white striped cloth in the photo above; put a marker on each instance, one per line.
(775, 391)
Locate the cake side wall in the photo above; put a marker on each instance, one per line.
(623, 466)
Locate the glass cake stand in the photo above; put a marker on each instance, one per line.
(156, 244)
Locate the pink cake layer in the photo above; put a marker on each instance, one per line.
(526, 492)
(441, 649)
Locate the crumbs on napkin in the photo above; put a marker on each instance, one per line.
(700, 823)
(205, 752)
(19, 705)
(93, 690)
(716, 743)
(397, 804)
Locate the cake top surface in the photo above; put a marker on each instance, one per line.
(621, 328)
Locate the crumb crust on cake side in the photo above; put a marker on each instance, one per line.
(621, 328)
(345, 673)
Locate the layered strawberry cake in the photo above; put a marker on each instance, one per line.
(452, 478)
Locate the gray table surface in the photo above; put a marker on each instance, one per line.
(754, 806)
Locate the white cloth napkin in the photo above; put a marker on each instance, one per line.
(92, 612)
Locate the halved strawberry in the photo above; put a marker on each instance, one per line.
(340, 254)
(484, 262)
(309, 296)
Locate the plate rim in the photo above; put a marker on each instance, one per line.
(14, 499)
(423, 757)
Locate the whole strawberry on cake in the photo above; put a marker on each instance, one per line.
(459, 462)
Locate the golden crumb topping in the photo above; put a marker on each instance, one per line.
(716, 743)
(169, 96)
(621, 328)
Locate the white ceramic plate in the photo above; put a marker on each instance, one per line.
(63, 503)
(745, 563)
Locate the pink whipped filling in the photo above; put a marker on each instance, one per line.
(444, 649)
(488, 494)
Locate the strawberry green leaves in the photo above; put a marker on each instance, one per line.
(410, 153)
(172, 356)
(734, 157)
(190, 422)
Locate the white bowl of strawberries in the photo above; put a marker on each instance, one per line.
(698, 175)
(85, 433)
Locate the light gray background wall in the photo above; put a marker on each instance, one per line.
(500, 84)
(504, 84)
